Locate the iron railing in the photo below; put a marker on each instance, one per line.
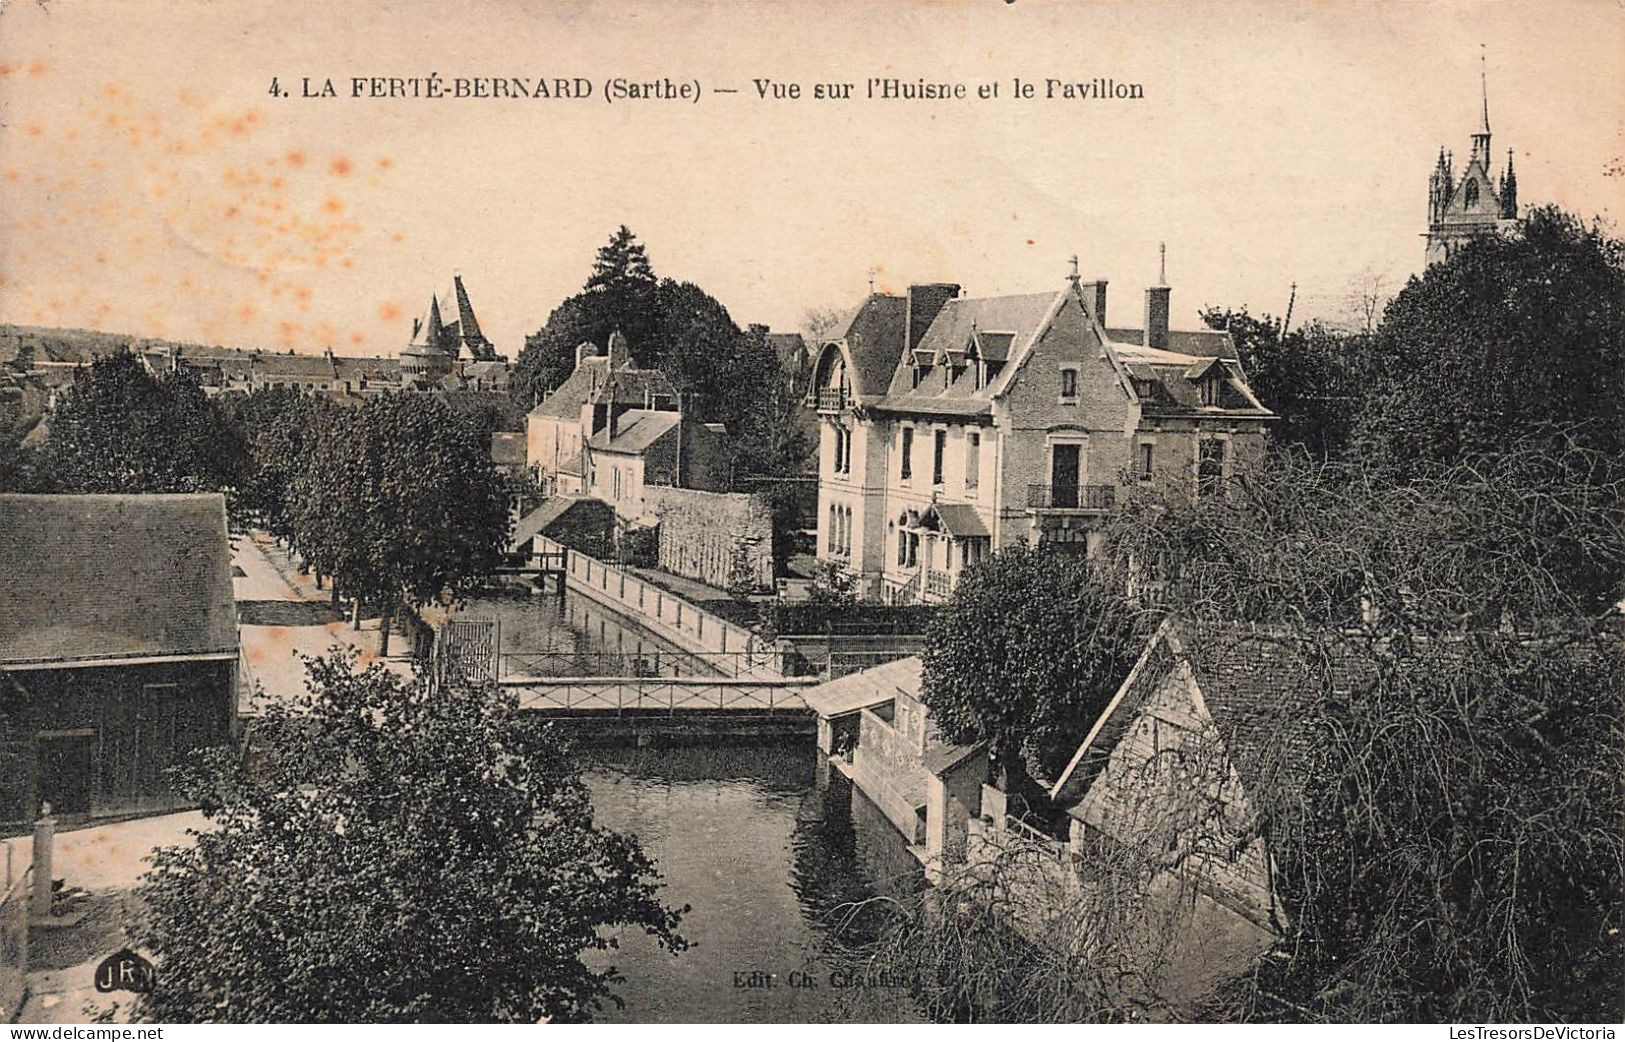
(833, 399)
(669, 695)
(651, 664)
(1071, 497)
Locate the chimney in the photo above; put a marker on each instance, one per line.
(1094, 295)
(620, 355)
(1156, 306)
(923, 305)
(585, 349)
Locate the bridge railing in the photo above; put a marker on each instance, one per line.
(694, 664)
(656, 694)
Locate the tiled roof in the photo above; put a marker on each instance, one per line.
(1017, 317)
(93, 578)
(636, 430)
(316, 366)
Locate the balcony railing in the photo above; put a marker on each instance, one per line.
(833, 399)
(1071, 497)
(938, 584)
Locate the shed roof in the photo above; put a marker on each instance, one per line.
(94, 578)
(865, 689)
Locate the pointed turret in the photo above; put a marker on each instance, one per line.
(468, 327)
(1509, 191)
(436, 329)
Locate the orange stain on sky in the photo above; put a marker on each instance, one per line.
(341, 166)
(295, 158)
(390, 312)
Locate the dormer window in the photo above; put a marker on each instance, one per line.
(1210, 389)
(1469, 195)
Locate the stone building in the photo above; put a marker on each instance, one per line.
(437, 347)
(703, 534)
(952, 426)
(1463, 209)
(118, 648)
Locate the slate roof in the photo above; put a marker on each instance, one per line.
(1213, 342)
(315, 366)
(874, 339)
(960, 519)
(636, 430)
(594, 381)
(92, 578)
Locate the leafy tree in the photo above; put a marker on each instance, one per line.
(1448, 847)
(618, 295)
(120, 429)
(1309, 377)
(280, 426)
(398, 854)
(1025, 655)
(1511, 337)
(399, 502)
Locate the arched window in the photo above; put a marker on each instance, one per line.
(1469, 195)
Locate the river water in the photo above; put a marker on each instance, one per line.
(748, 836)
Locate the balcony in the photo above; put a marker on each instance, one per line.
(833, 399)
(1083, 499)
(938, 585)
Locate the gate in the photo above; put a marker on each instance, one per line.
(467, 649)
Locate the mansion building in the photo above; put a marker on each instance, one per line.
(953, 426)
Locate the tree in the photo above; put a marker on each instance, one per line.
(618, 295)
(400, 502)
(280, 425)
(1511, 337)
(1309, 377)
(1447, 846)
(398, 854)
(121, 429)
(1024, 656)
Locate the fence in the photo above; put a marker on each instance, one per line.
(654, 663)
(670, 695)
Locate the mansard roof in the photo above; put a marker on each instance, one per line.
(873, 336)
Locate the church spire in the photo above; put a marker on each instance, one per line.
(436, 329)
(1481, 140)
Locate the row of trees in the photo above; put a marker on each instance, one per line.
(396, 499)
(1445, 507)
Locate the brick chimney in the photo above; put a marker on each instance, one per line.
(924, 304)
(585, 349)
(1094, 296)
(1156, 306)
(620, 354)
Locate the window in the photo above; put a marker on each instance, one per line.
(829, 538)
(846, 461)
(1069, 384)
(973, 460)
(908, 453)
(937, 452)
(902, 545)
(1469, 195)
(913, 549)
(1210, 389)
(1210, 454)
(843, 450)
(1147, 455)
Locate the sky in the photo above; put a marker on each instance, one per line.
(151, 184)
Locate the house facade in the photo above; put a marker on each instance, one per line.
(952, 426)
(118, 649)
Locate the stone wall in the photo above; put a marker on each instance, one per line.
(700, 531)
